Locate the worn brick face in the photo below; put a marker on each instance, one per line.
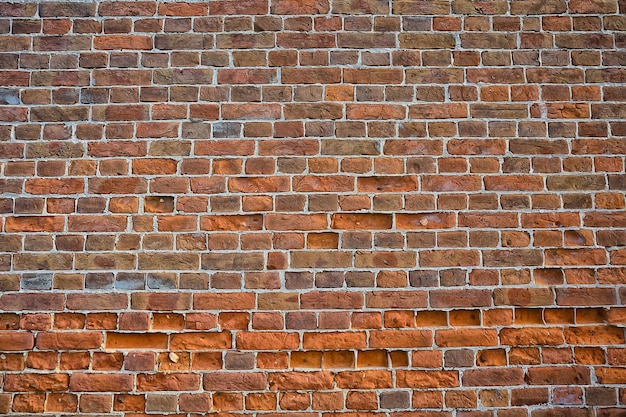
(308, 207)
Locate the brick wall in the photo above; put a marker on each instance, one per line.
(356, 208)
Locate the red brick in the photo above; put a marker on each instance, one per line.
(160, 301)
(168, 382)
(26, 382)
(531, 336)
(577, 375)
(224, 301)
(305, 40)
(235, 381)
(16, 341)
(331, 300)
(427, 379)
(69, 341)
(438, 111)
(523, 296)
(319, 380)
(124, 8)
(594, 335)
(80, 382)
(493, 377)
(136, 341)
(397, 299)
(400, 338)
(32, 302)
(334, 340)
(466, 337)
(311, 75)
(201, 341)
(237, 7)
(115, 42)
(425, 221)
(576, 257)
(610, 375)
(183, 9)
(448, 258)
(34, 224)
(348, 221)
(287, 7)
(295, 222)
(267, 341)
(460, 298)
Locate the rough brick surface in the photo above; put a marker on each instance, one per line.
(313, 208)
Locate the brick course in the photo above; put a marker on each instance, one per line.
(313, 208)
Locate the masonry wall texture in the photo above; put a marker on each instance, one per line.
(313, 208)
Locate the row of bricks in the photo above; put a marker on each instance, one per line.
(363, 165)
(330, 75)
(281, 222)
(530, 321)
(222, 184)
(324, 279)
(370, 93)
(322, 259)
(319, 111)
(262, 23)
(268, 340)
(271, 299)
(315, 203)
(322, 40)
(546, 152)
(289, 7)
(223, 241)
(290, 152)
(375, 358)
(315, 380)
(311, 58)
(334, 402)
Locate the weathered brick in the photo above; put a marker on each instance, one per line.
(538, 7)
(97, 301)
(168, 382)
(305, 40)
(235, 381)
(427, 379)
(267, 341)
(531, 337)
(42, 262)
(36, 382)
(16, 341)
(236, 7)
(201, 341)
(281, 7)
(124, 8)
(233, 261)
(523, 296)
(400, 338)
(576, 257)
(69, 341)
(82, 382)
(493, 377)
(34, 224)
(166, 261)
(448, 258)
(421, 7)
(471, 7)
(160, 301)
(59, 9)
(319, 380)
